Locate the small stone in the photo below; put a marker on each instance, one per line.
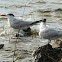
(1, 46)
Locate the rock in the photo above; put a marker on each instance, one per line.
(1, 46)
(57, 44)
(47, 54)
(61, 45)
(26, 60)
(59, 9)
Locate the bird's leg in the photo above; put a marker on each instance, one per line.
(19, 31)
(17, 34)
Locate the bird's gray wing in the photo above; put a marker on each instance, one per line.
(60, 33)
(50, 34)
(21, 23)
(26, 23)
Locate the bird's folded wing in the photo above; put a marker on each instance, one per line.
(50, 33)
(21, 22)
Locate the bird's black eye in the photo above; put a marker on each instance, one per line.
(10, 14)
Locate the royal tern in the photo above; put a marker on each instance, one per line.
(19, 23)
(49, 33)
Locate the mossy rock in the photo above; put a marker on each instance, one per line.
(47, 54)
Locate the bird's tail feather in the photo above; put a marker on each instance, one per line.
(35, 22)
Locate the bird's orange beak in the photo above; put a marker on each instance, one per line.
(2, 15)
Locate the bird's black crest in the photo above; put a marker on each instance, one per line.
(10, 14)
(44, 20)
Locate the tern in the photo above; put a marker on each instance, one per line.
(48, 33)
(19, 23)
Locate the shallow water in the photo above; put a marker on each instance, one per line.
(28, 10)
(21, 8)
